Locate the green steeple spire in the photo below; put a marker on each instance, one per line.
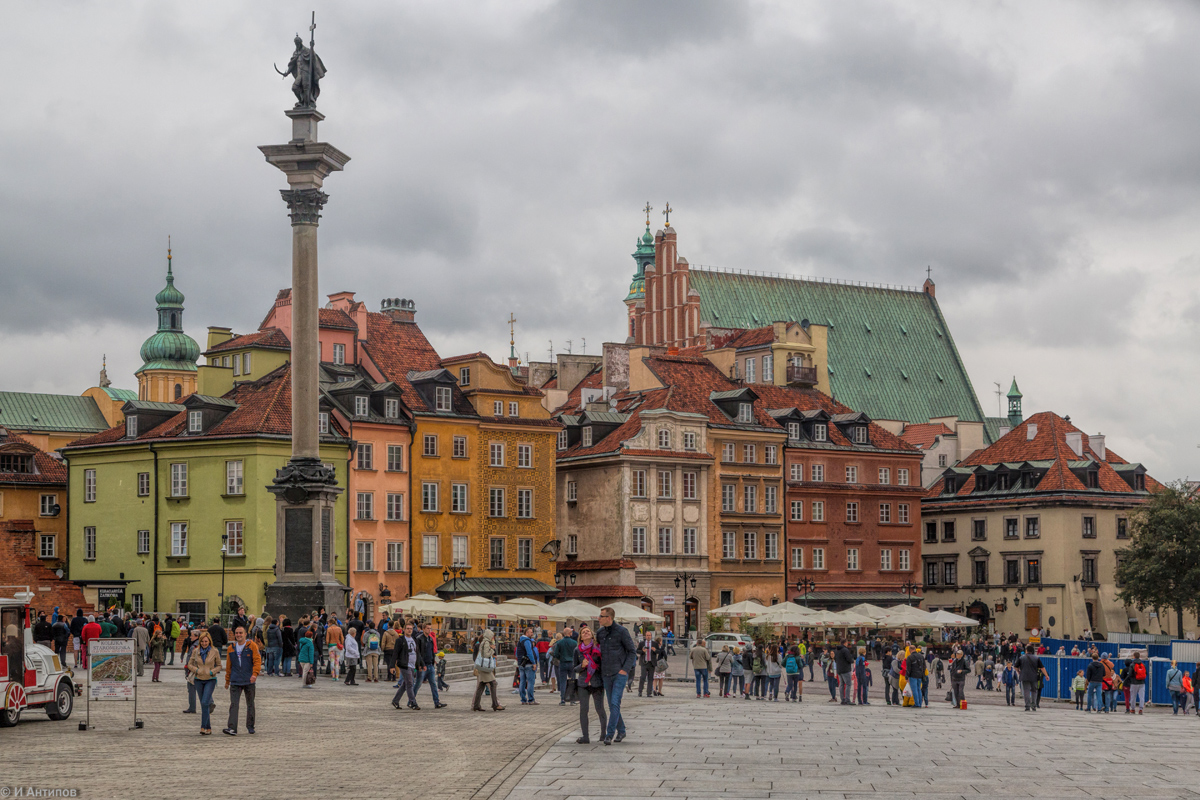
(643, 256)
(1014, 404)
(170, 347)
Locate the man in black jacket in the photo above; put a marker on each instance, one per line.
(914, 671)
(1095, 680)
(1028, 666)
(409, 662)
(424, 642)
(217, 633)
(958, 678)
(41, 631)
(645, 651)
(844, 661)
(618, 657)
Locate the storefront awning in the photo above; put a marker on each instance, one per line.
(489, 587)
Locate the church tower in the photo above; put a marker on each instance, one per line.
(168, 371)
(1014, 405)
(643, 257)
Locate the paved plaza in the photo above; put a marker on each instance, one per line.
(348, 742)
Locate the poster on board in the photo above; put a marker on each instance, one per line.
(111, 669)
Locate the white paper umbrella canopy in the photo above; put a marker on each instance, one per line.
(746, 608)
(946, 618)
(784, 616)
(869, 610)
(528, 608)
(420, 604)
(577, 609)
(626, 612)
(908, 617)
(851, 619)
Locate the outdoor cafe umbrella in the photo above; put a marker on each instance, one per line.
(528, 608)
(948, 619)
(627, 612)
(477, 608)
(577, 609)
(868, 610)
(420, 605)
(795, 616)
(746, 608)
(908, 617)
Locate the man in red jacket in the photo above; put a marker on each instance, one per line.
(90, 631)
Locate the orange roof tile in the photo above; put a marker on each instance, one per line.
(267, 337)
(922, 435)
(47, 469)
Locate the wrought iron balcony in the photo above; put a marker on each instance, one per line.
(801, 376)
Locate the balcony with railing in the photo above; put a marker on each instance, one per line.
(799, 375)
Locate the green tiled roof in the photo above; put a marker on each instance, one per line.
(50, 412)
(890, 352)
(120, 394)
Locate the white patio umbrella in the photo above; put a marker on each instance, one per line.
(851, 619)
(745, 608)
(795, 616)
(477, 608)
(868, 610)
(948, 619)
(528, 608)
(577, 609)
(908, 617)
(627, 612)
(419, 604)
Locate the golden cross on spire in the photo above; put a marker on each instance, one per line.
(667, 213)
(512, 320)
(648, 209)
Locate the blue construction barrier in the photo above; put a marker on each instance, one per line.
(1062, 670)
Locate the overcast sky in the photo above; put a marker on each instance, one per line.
(1043, 158)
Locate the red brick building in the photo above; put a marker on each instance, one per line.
(852, 502)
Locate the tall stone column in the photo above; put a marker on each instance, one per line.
(305, 490)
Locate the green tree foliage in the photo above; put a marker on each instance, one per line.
(1161, 566)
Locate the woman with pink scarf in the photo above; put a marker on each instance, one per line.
(590, 684)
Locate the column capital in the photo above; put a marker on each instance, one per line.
(304, 205)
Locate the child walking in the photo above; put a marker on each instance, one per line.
(1079, 685)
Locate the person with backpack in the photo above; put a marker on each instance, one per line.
(793, 666)
(1137, 682)
(371, 650)
(1175, 687)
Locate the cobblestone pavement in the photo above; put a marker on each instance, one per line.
(817, 749)
(333, 741)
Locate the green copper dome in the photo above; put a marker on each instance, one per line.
(170, 347)
(643, 256)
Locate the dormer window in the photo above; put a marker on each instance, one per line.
(442, 398)
(323, 422)
(587, 436)
(1002, 481)
(820, 432)
(391, 408)
(951, 486)
(339, 354)
(464, 376)
(744, 412)
(664, 439)
(794, 431)
(131, 427)
(1093, 479)
(689, 440)
(195, 422)
(497, 408)
(362, 407)
(860, 434)
(562, 439)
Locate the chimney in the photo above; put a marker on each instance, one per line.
(400, 309)
(929, 287)
(1075, 442)
(1005, 430)
(1096, 442)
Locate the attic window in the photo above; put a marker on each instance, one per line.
(562, 439)
(820, 432)
(744, 413)
(339, 354)
(362, 407)
(391, 408)
(323, 422)
(131, 427)
(794, 430)
(587, 436)
(16, 462)
(664, 439)
(951, 486)
(442, 397)
(860, 434)
(195, 422)
(1093, 479)
(464, 376)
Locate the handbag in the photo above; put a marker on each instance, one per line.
(487, 664)
(310, 677)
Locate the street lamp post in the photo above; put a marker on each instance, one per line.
(224, 552)
(806, 586)
(687, 579)
(910, 588)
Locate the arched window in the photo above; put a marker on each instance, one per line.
(178, 391)
(174, 320)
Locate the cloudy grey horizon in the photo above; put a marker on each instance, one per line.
(1041, 159)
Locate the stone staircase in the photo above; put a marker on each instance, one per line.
(460, 667)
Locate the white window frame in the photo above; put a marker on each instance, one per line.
(497, 502)
(235, 542)
(464, 376)
(44, 551)
(179, 479)
(459, 447)
(429, 445)
(727, 452)
(749, 499)
(364, 555)
(750, 545)
(524, 552)
(496, 454)
(852, 511)
(820, 432)
(818, 511)
(362, 406)
(885, 513)
(904, 560)
(902, 477)
(639, 487)
(497, 557)
(524, 456)
(770, 454)
(460, 550)
(902, 513)
(749, 369)
(143, 487)
(666, 484)
(797, 471)
(885, 476)
(514, 408)
(459, 498)
(851, 474)
(745, 412)
(235, 477)
(666, 540)
(46, 503)
(430, 502)
(749, 453)
(587, 436)
(89, 543)
(195, 421)
(729, 545)
(818, 473)
(365, 457)
(860, 434)
(323, 422)
(572, 492)
(364, 506)
(664, 439)
(793, 431)
(768, 369)
(797, 514)
(852, 559)
(497, 408)
(691, 541)
(339, 354)
(179, 540)
(391, 408)
(770, 499)
(395, 458)
(572, 544)
(689, 440)
(797, 558)
(524, 503)
(443, 398)
(430, 550)
(395, 557)
(818, 558)
(729, 498)
(689, 486)
(885, 560)
(638, 541)
(245, 363)
(395, 507)
(771, 545)
(562, 439)
(143, 542)
(131, 427)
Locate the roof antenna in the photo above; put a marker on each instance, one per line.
(999, 402)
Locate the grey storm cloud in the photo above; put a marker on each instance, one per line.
(1043, 160)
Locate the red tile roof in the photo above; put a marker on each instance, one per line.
(922, 435)
(335, 318)
(574, 403)
(602, 590)
(1049, 443)
(398, 348)
(268, 337)
(467, 357)
(47, 469)
(587, 566)
(775, 397)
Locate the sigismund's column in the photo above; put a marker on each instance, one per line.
(305, 490)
